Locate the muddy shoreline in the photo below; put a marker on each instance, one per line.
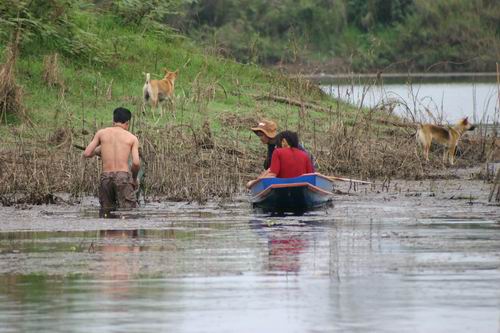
(459, 188)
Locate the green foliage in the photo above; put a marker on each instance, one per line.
(264, 31)
(49, 26)
(150, 14)
(369, 35)
(450, 35)
(367, 14)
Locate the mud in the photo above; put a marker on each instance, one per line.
(400, 256)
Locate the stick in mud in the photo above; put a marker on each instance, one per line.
(495, 186)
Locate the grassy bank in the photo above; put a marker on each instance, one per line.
(201, 146)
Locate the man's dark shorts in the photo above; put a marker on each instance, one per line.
(116, 190)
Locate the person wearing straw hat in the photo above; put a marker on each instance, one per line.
(266, 131)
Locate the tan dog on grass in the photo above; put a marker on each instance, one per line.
(447, 136)
(159, 90)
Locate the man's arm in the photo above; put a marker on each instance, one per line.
(93, 149)
(136, 162)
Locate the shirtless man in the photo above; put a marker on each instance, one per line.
(115, 145)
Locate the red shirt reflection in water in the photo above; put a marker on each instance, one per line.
(290, 162)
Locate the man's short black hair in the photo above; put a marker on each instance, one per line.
(291, 137)
(121, 115)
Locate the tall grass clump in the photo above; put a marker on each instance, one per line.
(10, 92)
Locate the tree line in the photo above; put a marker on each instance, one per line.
(354, 35)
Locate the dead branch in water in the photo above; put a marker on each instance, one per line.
(495, 187)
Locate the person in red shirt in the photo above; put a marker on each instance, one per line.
(288, 160)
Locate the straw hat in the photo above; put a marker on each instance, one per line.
(268, 127)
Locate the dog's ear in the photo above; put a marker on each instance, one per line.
(466, 120)
(172, 75)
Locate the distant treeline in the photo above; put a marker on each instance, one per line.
(360, 35)
(340, 35)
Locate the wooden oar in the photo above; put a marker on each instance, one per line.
(348, 180)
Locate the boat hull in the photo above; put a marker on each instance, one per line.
(292, 195)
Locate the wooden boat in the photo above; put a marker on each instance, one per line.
(292, 195)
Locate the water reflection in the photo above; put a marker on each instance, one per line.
(287, 241)
(120, 249)
(284, 253)
(284, 246)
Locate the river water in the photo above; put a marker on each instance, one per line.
(424, 99)
(400, 257)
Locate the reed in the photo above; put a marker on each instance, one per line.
(10, 93)
(191, 153)
(191, 162)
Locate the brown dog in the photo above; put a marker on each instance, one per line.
(447, 136)
(159, 90)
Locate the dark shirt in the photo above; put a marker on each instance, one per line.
(270, 150)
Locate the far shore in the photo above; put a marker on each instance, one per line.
(394, 75)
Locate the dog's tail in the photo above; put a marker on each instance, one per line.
(148, 77)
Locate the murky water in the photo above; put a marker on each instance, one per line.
(417, 257)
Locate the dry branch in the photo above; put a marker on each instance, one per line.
(51, 72)
(397, 123)
(10, 92)
(290, 101)
(495, 188)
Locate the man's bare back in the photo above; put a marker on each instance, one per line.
(114, 145)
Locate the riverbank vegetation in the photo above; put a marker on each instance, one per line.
(66, 64)
(351, 35)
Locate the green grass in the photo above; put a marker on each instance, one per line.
(208, 88)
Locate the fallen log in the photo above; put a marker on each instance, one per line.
(290, 101)
(397, 123)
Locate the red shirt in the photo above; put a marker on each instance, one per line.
(290, 162)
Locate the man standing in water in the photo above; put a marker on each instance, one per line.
(115, 145)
